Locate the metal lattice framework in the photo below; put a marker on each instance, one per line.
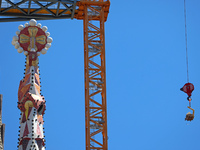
(95, 77)
(94, 14)
(23, 10)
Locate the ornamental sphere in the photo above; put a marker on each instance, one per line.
(49, 40)
(38, 53)
(26, 24)
(33, 50)
(44, 28)
(32, 22)
(44, 51)
(17, 32)
(47, 34)
(39, 25)
(15, 38)
(48, 45)
(20, 50)
(21, 27)
(25, 53)
(16, 45)
(14, 42)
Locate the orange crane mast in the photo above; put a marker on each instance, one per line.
(94, 15)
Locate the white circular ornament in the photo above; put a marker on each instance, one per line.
(47, 34)
(13, 42)
(16, 45)
(43, 51)
(15, 38)
(48, 45)
(49, 40)
(17, 32)
(32, 22)
(44, 28)
(26, 24)
(20, 50)
(25, 53)
(39, 25)
(38, 53)
(21, 27)
(33, 50)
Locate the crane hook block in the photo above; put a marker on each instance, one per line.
(188, 88)
(189, 116)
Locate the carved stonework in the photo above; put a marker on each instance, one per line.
(2, 126)
(33, 40)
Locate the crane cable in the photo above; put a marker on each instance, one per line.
(186, 42)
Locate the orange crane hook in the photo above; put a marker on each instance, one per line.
(189, 116)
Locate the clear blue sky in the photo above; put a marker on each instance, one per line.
(146, 67)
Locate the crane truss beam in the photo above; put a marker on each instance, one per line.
(23, 10)
(95, 75)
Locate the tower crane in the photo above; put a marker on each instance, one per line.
(94, 14)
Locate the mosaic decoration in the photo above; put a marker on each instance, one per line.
(33, 40)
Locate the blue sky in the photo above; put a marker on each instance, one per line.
(145, 66)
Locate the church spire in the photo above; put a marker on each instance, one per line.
(2, 126)
(32, 40)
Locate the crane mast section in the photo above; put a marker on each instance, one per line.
(93, 14)
(99, 3)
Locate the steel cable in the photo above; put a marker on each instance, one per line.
(186, 42)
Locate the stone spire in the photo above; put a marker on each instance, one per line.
(32, 40)
(2, 126)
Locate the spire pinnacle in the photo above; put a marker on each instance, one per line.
(32, 39)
